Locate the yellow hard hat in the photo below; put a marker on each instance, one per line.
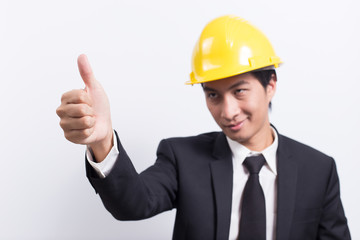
(228, 46)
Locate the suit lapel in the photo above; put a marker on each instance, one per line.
(287, 178)
(222, 182)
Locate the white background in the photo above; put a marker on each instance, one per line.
(140, 51)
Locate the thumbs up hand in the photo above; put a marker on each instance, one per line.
(85, 114)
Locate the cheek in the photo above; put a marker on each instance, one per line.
(256, 107)
(214, 110)
(249, 107)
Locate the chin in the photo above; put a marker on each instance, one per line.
(240, 138)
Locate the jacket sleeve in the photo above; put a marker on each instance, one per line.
(128, 195)
(333, 223)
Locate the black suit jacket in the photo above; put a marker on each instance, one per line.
(195, 176)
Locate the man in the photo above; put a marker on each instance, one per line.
(246, 182)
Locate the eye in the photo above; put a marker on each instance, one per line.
(239, 91)
(212, 95)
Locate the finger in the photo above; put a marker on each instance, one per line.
(76, 96)
(68, 124)
(75, 110)
(86, 71)
(79, 136)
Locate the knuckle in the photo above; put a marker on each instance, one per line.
(87, 121)
(82, 134)
(74, 136)
(63, 124)
(82, 96)
(66, 96)
(59, 111)
(63, 97)
(82, 110)
(68, 136)
(87, 133)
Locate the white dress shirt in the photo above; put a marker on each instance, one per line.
(267, 177)
(103, 168)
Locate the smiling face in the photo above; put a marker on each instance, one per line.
(239, 105)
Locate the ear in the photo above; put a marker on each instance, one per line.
(271, 87)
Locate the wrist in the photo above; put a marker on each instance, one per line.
(102, 148)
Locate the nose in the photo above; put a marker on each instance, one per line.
(230, 108)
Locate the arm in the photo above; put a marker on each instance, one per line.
(333, 223)
(85, 118)
(128, 195)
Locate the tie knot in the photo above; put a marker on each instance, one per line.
(254, 163)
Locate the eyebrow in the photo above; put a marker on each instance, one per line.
(237, 84)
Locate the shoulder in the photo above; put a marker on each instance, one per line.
(296, 146)
(201, 144)
(303, 153)
(198, 140)
(204, 138)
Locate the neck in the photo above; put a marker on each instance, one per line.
(262, 140)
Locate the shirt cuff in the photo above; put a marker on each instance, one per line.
(104, 167)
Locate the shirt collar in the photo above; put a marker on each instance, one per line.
(240, 152)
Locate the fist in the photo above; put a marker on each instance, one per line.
(85, 113)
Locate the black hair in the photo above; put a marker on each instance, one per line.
(264, 77)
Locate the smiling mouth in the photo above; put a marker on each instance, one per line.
(235, 127)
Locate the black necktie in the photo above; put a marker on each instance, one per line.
(253, 216)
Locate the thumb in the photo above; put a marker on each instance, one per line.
(86, 71)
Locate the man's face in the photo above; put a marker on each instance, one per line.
(239, 105)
